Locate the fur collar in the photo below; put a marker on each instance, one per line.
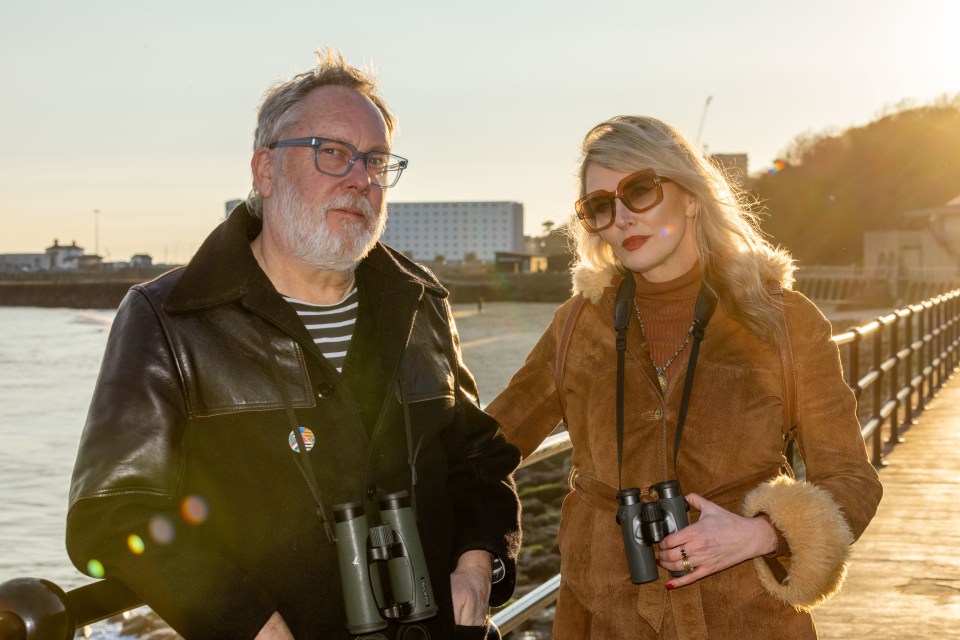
(590, 282)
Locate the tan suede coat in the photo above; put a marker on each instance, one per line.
(730, 454)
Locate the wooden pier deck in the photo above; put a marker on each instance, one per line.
(904, 581)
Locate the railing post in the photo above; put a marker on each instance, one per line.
(938, 341)
(877, 394)
(928, 351)
(954, 299)
(895, 378)
(908, 366)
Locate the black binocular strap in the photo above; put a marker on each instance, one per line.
(622, 308)
(703, 311)
(302, 460)
(411, 450)
(706, 303)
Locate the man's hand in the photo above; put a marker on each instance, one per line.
(275, 629)
(470, 584)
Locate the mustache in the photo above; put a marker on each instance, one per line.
(353, 201)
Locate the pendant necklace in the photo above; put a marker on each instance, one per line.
(661, 378)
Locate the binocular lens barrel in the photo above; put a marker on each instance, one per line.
(395, 511)
(351, 528)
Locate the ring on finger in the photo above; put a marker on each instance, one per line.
(685, 560)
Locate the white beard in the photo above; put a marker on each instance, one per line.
(304, 233)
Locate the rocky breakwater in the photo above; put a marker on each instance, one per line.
(542, 488)
(72, 289)
(71, 294)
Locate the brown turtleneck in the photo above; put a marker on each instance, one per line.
(667, 312)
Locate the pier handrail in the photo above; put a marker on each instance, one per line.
(912, 352)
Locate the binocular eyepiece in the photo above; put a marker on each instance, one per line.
(644, 524)
(383, 572)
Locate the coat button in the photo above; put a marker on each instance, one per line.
(658, 413)
(372, 492)
(324, 390)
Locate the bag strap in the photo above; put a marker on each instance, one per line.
(790, 431)
(562, 348)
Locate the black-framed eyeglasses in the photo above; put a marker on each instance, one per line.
(639, 192)
(336, 158)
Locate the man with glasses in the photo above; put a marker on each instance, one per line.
(295, 379)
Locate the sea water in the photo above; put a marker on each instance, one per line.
(49, 359)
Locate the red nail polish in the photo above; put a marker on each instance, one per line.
(658, 563)
(670, 586)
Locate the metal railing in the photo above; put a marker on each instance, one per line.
(911, 352)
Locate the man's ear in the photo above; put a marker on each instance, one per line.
(262, 166)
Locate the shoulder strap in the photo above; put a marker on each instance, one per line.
(561, 362)
(788, 377)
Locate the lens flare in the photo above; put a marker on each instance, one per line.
(668, 230)
(778, 166)
(193, 509)
(95, 569)
(161, 530)
(135, 544)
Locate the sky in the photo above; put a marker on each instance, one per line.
(126, 125)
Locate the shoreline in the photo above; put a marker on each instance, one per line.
(84, 291)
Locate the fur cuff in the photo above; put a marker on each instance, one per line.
(813, 525)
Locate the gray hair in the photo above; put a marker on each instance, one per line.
(281, 106)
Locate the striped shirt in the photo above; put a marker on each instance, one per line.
(330, 325)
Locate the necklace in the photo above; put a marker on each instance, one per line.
(662, 379)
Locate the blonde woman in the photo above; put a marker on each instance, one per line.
(704, 399)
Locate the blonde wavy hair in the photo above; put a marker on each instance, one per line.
(736, 260)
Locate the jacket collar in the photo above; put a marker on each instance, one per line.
(590, 281)
(224, 269)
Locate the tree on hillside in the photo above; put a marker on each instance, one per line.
(836, 186)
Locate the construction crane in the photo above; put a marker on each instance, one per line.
(703, 118)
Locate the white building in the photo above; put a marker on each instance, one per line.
(929, 240)
(454, 230)
(62, 257)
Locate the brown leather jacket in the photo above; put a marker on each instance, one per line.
(730, 454)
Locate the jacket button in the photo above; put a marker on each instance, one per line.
(324, 390)
(658, 413)
(372, 492)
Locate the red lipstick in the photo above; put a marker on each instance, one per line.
(634, 242)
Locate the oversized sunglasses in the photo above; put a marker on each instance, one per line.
(639, 192)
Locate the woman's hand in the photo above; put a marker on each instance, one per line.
(470, 585)
(717, 541)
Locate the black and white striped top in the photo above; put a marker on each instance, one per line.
(330, 325)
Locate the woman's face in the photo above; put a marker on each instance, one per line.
(658, 243)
